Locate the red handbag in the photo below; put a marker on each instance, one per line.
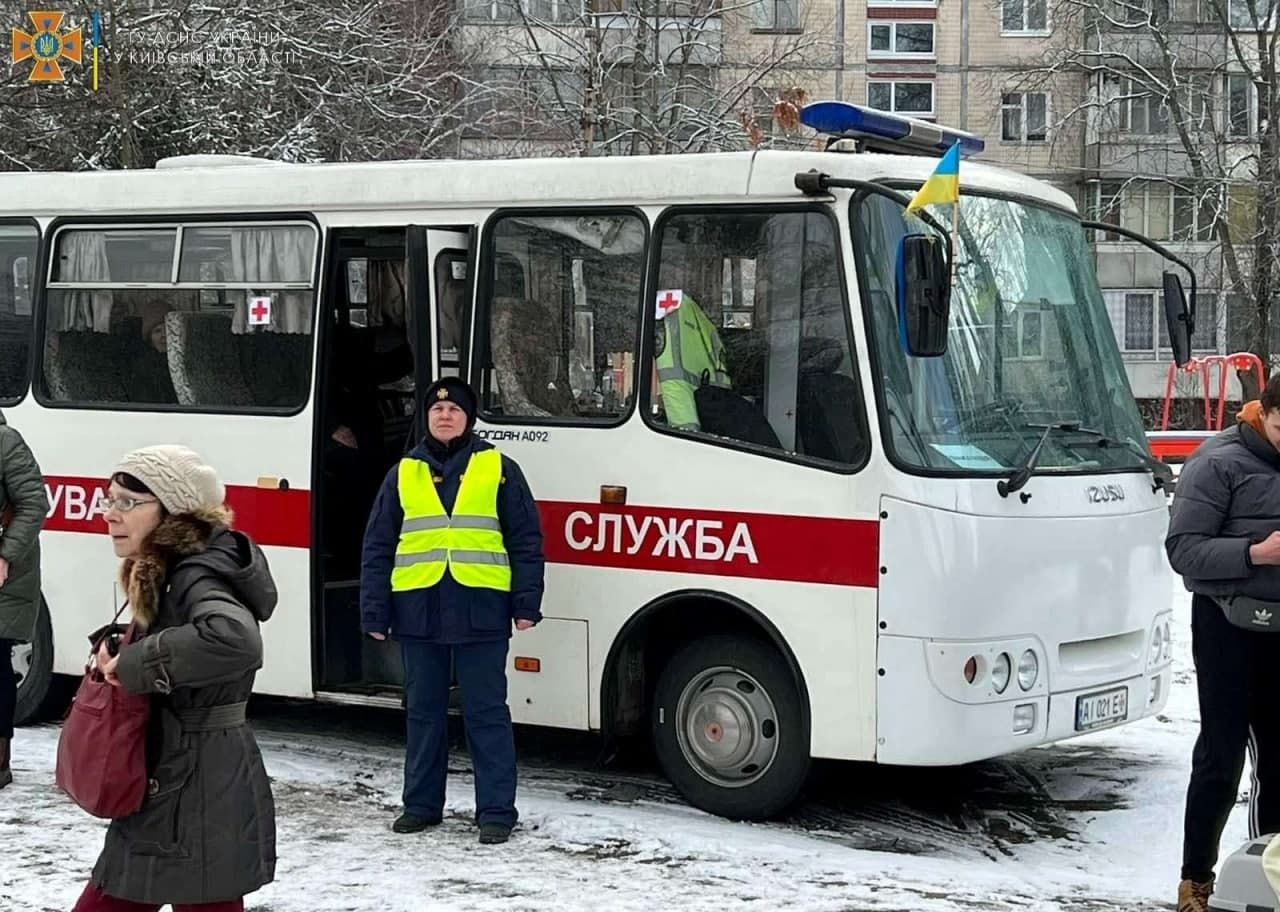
(102, 749)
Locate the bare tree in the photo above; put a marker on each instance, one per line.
(295, 80)
(1179, 105)
(635, 76)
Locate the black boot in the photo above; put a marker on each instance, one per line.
(494, 833)
(408, 823)
(6, 775)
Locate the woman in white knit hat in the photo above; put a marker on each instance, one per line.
(205, 835)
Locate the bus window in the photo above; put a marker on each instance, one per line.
(197, 316)
(563, 314)
(751, 334)
(17, 251)
(451, 292)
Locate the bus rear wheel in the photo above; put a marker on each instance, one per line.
(33, 669)
(728, 728)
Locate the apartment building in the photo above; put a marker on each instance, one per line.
(1015, 72)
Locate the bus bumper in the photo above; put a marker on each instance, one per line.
(919, 725)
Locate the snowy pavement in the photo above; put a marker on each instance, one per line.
(1092, 825)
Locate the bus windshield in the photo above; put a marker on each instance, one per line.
(1029, 345)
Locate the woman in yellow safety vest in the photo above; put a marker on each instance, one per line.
(452, 561)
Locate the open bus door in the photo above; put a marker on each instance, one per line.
(407, 315)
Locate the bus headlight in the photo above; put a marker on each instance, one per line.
(1168, 643)
(1157, 643)
(1000, 672)
(1028, 670)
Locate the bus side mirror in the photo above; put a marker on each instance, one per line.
(924, 295)
(1178, 318)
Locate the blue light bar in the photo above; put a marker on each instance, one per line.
(839, 118)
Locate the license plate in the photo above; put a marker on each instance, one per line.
(1103, 708)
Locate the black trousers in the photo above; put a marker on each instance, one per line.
(8, 689)
(1238, 679)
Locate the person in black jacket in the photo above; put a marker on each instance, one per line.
(452, 559)
(1224, 539)
(23, 498)
(205, 835)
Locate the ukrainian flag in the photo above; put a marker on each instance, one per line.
(943, 186)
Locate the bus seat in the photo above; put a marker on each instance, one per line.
(15, 341)
(277, 367)
(827, 410)
(85, 366)
(203, 360)
(526, 351)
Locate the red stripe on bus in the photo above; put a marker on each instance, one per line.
(268, 515)
(803, 549)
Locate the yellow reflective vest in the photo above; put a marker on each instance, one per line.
(691, 354)
(468, 543)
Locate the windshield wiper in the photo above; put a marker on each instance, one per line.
(1022, 474)
(1161, 474)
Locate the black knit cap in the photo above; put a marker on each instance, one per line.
(452, 389)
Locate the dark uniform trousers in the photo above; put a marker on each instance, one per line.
(482, 675)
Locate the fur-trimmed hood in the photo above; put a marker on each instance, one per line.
(197, 542)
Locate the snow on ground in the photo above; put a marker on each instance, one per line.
(336, 797)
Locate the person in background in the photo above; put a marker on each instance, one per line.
(150, 381)
(23, 508)
(1224, 539)
(452, 557)
(205, 835)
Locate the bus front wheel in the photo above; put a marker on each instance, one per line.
(728, 728)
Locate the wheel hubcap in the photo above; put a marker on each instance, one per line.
(23, 654)
(727, 727)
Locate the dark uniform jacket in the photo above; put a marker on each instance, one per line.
(449, 612)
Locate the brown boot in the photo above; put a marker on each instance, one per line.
(1194, 896)
(6, 776)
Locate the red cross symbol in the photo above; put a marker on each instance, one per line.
(668, 302)
(260, 311)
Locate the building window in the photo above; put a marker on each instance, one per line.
(1141, 326)
(901, 97)
(199, 316)
(1132, 108)
(1025, 117)
(1024, 17)
(1244, 116)
(900, 39)
(1250, 15)
(1138, 12)
(536, 10)
(1158, 209)
(776, 15)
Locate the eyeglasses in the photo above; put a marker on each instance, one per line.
(126, 504)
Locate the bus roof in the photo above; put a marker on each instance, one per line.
(205, 184)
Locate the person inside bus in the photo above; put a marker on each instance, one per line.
(23, 506)
(690, 355)
(149, 378)
(204, 837)
(1224, 540)
(452, 559)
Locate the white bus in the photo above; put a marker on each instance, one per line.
(926, 534)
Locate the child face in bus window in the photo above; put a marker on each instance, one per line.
(446, 421)
(131, 517)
